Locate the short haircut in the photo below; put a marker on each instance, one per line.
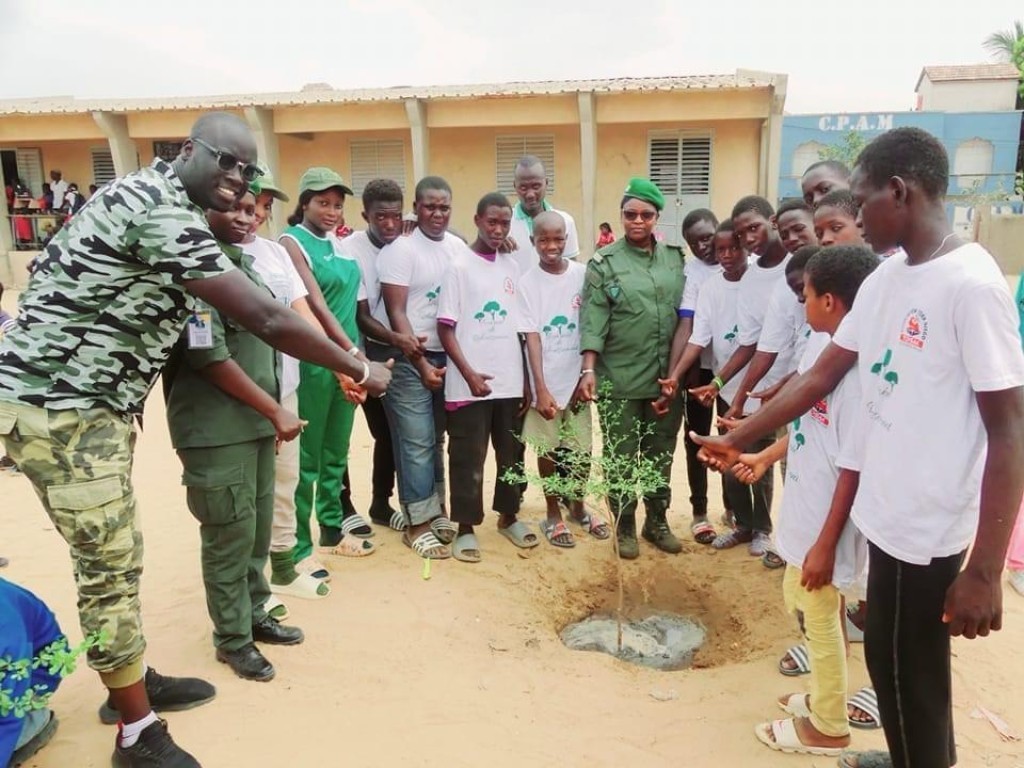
(837, 167)
(526, 162)
(431, 184)
(699, 214)
(793, 204)
(840, 270)
(841, 199)
(725, 226)
(798, 261)
(492, 198)
(910, 153)
(209, 121)
(753, 203)
(382, 191)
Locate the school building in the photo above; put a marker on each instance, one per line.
(706, 140)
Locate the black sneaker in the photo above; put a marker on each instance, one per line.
(33, 745)
(166, 694)
(154, 749)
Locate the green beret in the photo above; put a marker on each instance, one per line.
(647, 190)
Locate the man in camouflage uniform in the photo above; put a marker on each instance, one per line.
(108, 299)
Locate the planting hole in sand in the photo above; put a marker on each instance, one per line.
(662, 640)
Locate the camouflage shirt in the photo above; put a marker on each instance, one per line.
(106, 301)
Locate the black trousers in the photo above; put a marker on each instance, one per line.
(750, 504)
(698, 419)
(906, 646)
(470, 428)
(383, 456)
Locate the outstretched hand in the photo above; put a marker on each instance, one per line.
(717, 452)
(705, 395)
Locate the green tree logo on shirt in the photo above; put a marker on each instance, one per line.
(731, 335)
(557, 323)
(798, 437)
(492, 313)
(891, 378)
(432, 295)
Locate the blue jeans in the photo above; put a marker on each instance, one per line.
(416, 418)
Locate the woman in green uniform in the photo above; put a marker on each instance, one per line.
(628, 318)
(323, 450)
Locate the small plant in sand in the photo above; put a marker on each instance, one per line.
(58, 659)
(604, 482)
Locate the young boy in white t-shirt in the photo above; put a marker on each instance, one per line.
(941, 457)
(550, 295)
(826, 555)
(478, 327)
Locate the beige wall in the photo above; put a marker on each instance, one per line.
(968, 95)
(1003, 236)
(25, 130)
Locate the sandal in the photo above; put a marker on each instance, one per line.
(1016, 579)
(866, 700)
(314, 568)
(557, 534)
(520, 535)
(592, 524)
(703, 531)
(466, 548)
(427, 546)
(444, 529)
(871, 759)
(798, 655)
(771, 560)
(396, 522)
(732, 538)
(350, 546)
(356, 525)
(781, 736)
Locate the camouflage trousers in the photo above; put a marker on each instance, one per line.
(80, 464)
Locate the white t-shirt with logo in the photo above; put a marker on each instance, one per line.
(272, 262)
(782, 321)
(359, 246)
(525, 255)
(549, 305)
(928, 337)
(419, 264)
(756, 291)
(811, 474)
(478, 294)
(696, 273)
(715, 325)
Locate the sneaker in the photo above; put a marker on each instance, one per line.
(166, 694)
(760, 544)
(154, 749)
(39, 739)
(314, 568)
(276, 609)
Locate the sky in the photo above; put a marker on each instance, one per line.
(866, 62)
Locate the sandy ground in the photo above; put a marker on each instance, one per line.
(466, 668)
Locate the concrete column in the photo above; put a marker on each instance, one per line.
(6, 234)
(122, 148)
(774, 138)
(416, 111)
(588, 171)
(261, 122)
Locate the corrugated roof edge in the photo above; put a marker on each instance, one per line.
(68, 105)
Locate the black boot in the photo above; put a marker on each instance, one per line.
(629, 547)
(248, 663)
(166, 694)
(656, 528)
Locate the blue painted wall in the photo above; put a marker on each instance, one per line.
(1002, 129)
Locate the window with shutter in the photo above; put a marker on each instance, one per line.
(102, 166)
(377, 159)
(509, 149)
(679, 162)
(30, 169)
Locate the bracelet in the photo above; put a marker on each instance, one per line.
(354, 351)
(717, 381)
(585, 371)
(366, 374)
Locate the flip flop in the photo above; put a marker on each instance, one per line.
(866, 700)
(305, 586)
(781, 736)
(732, 538)
(771, 560)
(356, 525)
(427, 546)
(592, 525)
(517, 533)
(314, 568)
(796, 705)
(464, 544)
(350, 546)
(444, 529)
(276, 609)
(552, 531)
(703, 531)
(396, 522)
(1016, 579)
(871, 759)
(798, 653)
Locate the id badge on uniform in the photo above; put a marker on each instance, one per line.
(200, 329)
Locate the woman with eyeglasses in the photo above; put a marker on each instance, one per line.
(628, 318)
(333, 280)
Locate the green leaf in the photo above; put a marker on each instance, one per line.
(893, 378)
(876, 368)
(887, 358)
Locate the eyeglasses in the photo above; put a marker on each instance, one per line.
(228, 162)
(647, 216)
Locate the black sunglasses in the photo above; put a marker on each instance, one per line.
(228, 162)
(634, 215)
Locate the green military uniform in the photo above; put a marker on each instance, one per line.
(103, 310)
(227, 452)
(629, 316)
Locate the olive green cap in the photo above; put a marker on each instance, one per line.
(266, 183)
(647, 190)
(318, 178)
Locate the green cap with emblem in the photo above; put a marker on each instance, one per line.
(646, 190)
(318, 178)
(266, 183)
